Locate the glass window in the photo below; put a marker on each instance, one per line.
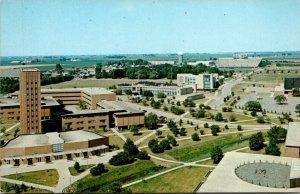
(57, 148)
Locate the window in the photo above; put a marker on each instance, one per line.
(57, 148)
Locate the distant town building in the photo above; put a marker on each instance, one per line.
(30, 101)
(169, 91)
(198, 82)
(180, 58)
(161, 62)
(290, 84)
(252, 62)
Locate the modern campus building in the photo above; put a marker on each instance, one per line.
(290, 84)
(30, 101)
(243, 172)
(169, 91)
(53, 126)
(180, 58)
(28, 149)
(251, 62)
(292, 142)
(198, 82)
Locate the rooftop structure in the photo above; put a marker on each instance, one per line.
(12, 73)
(291, 83)
(227, 177)
(238, 63)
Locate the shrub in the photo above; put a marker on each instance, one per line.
(232, 118)
(143, 155)
(98, 170)
(215, 129)
(195, 137)
(239, 128)
(206, 125)
(216, 154)
(202, 132)
(256, 141)
(253, 113)
(120, 159)
(165, 144)
(219, 117)
(77, 166)
(130, 148)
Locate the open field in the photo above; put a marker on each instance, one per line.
(184, 179)
(273, 77)
(122, 174)
(83, 168)
(43, 177)
(29, 189)
(137, 137)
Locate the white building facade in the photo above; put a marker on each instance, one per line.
(198, 82)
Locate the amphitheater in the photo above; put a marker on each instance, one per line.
(243, 172)
(252, 62)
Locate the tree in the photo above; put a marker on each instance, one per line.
(178, 103)
(151, 121)
(296, 92)
(16, 132)
(206, 125)
(98, 170)
(134, 129)
(219, 117)
(216, 154)
(147, 93)
(118, 92)
(130, 148)
(277, 133)
(23, 187)
(143, 155)
(172, 140)
(82, 105)
(165, 144)
(3, 129)
(215, 129)
(128, 92)
(195, 137)
(280, 99)
(77, 166)
(253, 106)
(226, 127)
(120, 159)
(256, 141)
(239, 128)
(166, 108)
(272, 148)
(59, 68)
(161, 95)
(182, 131)
(297, 108)
(158, 133)
(199, 114)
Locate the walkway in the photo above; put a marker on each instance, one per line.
(9, 129)
(119, 134)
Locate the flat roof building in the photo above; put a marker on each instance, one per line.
(292, 142)
(198, 82)
(28, 149)
(252, 62)
(291, 83)
(243, 172)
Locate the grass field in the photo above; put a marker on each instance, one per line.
(29, 189)
(83, 168)
(7, 123)
(44, 177)
(189, 150)
(273, 77)
(122, 174)
(184, 179)
(116, 140)
(137, 137)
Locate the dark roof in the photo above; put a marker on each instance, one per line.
(290, 83)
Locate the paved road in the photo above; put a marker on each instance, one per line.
(226, 91)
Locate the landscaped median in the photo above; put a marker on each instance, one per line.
(189, 151)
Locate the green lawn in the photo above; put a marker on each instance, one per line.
(184, 179)
(272, 77)
(82, 169)
(116, 140)
(189, 150)
(7, 123)
(45, 177)
(122, 174)
(29, 189)
(137, 137)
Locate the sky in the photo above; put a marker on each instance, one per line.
(80, 27)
